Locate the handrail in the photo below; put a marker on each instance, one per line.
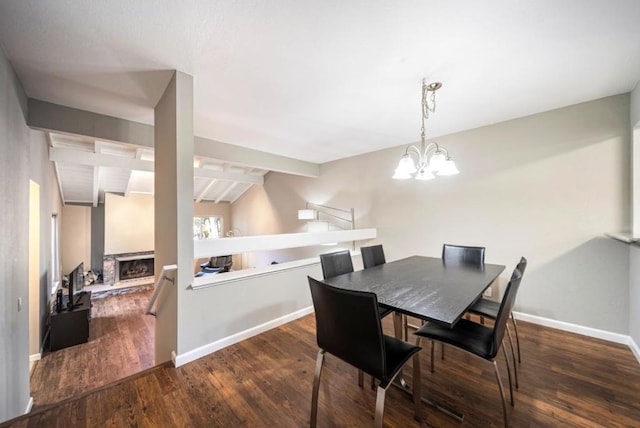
(162, 279)
(326, 210)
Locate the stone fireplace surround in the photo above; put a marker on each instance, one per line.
(110, 264)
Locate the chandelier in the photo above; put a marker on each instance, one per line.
(430, 159)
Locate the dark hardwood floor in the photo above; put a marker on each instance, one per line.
(120, 344)
(565, 380)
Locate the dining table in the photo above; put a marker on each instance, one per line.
(426, 288)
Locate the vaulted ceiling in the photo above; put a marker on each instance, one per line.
(318, 80)
(87, 168)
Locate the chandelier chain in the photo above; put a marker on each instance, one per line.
(428, 104)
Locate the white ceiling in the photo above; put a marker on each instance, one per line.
(325, 79)
(87, 169)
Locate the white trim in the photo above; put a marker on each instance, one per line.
(585, 331)
(35, 357)
(187, 357)
(574, 328)
(634, 348)
(29, 406)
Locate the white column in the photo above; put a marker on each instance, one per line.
(173, 141)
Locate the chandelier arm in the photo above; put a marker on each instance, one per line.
(420, 156)
(431, 146)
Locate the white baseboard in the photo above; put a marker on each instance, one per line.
(187, 357)
(29, 406)
(634, 348)
(35, 357)
(579, 329)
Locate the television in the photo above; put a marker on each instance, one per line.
(76, 283)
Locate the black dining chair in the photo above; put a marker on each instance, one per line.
(372, 256)
(348, 327)
(480, 340)
(463, 255)
(460, 255)
(486, 308)
(338, 263)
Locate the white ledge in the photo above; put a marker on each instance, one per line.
(246, 244)
(625, 237)
(212, 280)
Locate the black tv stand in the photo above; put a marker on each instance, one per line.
(71, 326)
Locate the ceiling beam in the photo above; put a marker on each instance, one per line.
(79, 157)
(52, 117)
(254, 158)
(226, 192)
(204, 191)
(127, 190)
(100, 159)
(229, 176)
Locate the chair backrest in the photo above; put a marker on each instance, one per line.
(221, 262)
(463, 255)
(506, 306)
(348, 326)
(372, 256)
(337, 263)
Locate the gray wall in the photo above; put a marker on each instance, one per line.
(97, 237)
(14, 233)
(547, 186)
(634, 272)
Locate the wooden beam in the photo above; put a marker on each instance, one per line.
(100, 159)
(51, 117)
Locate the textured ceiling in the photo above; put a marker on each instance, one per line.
(322, 80)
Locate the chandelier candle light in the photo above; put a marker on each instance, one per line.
(431, 158)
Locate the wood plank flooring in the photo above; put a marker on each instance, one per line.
(121, 343)
(565, 380)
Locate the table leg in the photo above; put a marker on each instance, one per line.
(402, 384)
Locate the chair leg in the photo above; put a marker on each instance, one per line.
(513, 355)
(360, 378)
(432, 352)
(316, 388)
(442, 344)
(373, 383)
(417, 387)
(506, 359)
(405, 324)
(504, 405)
(380, 407)
(515, 328)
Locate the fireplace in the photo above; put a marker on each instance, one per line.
(128, 267)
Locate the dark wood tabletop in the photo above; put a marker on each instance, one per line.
(423, 287)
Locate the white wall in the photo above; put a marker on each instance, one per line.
(75, 237)
(128, 223)
(547, 187)
(14, 237)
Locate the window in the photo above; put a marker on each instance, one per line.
(55, 254)
(207, 227)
